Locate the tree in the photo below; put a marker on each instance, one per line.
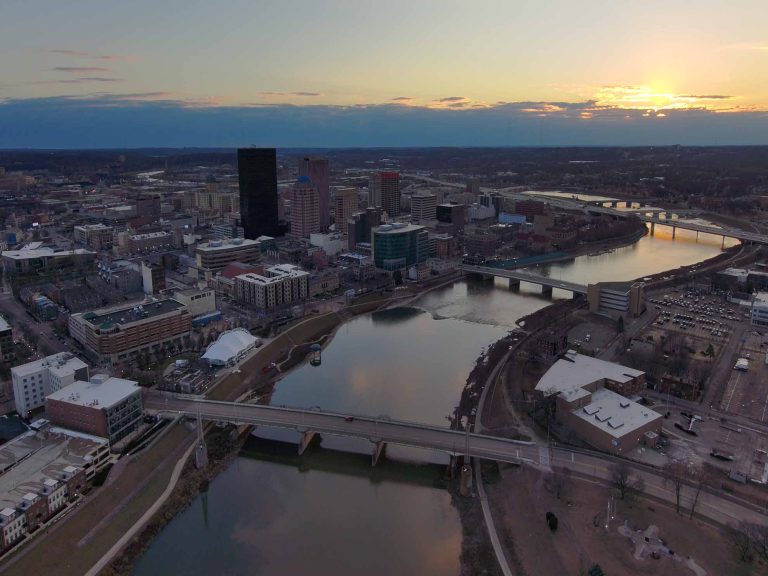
(675, 472)
(625, 484)
(710, 351)
(397, 277)
(739, 538)
(620, 325)
(702, 477)
(758, 537)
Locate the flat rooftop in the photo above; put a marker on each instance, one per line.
(30, 254)
(231, 244)
(614, 414)
(100, 392)
(576, 370)
(39, 456)
(59, 364)
(397, 228)
(129, 313)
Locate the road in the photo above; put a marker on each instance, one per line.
(13, 311)
(721, 508)
(373, 429)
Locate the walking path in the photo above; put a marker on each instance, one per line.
(141, 522)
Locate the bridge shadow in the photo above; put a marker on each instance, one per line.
(324, 459)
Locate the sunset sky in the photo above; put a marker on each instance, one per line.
(418, 72)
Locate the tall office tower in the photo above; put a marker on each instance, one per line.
(257, 170)
(384, 192)
(305, 208)
(317, 171)
(345, 204)
(423, 207)
(359, 227)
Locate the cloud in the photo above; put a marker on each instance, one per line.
(272, 93)
(111, 119)
(80, 54)
(69, 52)
(80, 69)
(402, 99)
(749, 47)
(707, 97)
(450, 99)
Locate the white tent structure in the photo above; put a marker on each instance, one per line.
(230, 347)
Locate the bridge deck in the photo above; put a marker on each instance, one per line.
(525, 277)
(373, 429)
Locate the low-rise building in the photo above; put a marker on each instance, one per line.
(107, 407)
(759, 311)
(33, 381)
(215, 255)
(97, 236)
(617, 298)
(198, 302)
(324, 282)
(280, 285)
(127, 330)
(230, 347)
(590, 401)
(29, 260)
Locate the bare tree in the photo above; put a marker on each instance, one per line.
(740, 540)
(626, 485)
(701, 477)
(758, 537)
(675, 473)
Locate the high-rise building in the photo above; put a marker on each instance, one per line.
(359, 227)
(257, 170)
(396, 246)
(345, 204)
(384, 192)
(316, 169)
(423, 207)
(453, 216)
(305, 208)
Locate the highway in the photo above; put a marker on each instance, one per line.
(373, 429)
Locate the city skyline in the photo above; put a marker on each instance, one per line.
(289, 74)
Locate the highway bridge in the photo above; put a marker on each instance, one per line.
(379, 431)
(517, 276)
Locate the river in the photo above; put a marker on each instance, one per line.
(332, 513)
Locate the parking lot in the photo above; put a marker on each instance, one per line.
(706, 317)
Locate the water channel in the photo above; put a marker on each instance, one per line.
(333, 514)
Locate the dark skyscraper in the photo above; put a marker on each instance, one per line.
(257, 170)
(317, 171)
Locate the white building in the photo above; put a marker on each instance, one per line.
(423, 207)
(281, 284)
(759, 313)
(34, 381)
(230, 347)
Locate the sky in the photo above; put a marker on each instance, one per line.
(289, 73)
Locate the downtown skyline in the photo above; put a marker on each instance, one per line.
(357, 74)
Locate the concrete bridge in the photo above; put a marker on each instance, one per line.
(517, 276)
(379, 431)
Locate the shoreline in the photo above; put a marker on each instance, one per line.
(181, 497)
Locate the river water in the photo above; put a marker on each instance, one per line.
(331, 513)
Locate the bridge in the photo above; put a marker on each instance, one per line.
(379, 431)
(517, 276)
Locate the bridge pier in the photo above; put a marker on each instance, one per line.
(546, 291)
(653, 228)
(379, 450)
(465, 481)
(674, 230)
(306, 440)
(722, 245)
(514, 285)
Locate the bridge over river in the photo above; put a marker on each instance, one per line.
(379, 431)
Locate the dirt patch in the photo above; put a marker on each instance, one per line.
(524, 495)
